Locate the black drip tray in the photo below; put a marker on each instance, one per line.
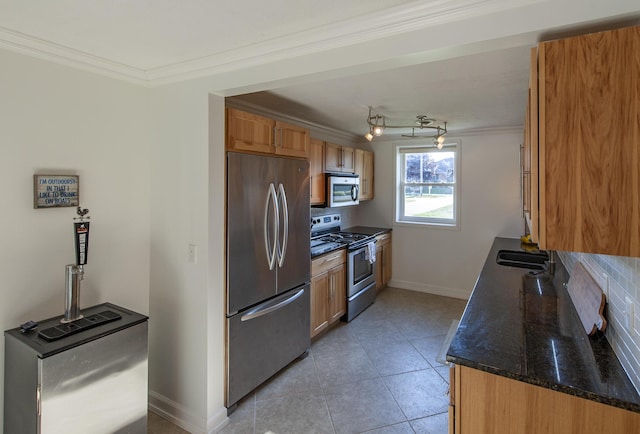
(70, 328)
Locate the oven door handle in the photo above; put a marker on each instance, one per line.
(282, 249)
(354, 192)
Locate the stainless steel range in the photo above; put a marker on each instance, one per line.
(361, 256)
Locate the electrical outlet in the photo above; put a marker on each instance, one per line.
(629, 315)
(193, 254)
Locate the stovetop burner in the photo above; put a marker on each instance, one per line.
(326, 236)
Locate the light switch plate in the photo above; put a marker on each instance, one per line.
(193, 254)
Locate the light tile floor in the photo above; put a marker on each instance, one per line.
(376, 374)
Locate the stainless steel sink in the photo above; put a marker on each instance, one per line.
(520, 259)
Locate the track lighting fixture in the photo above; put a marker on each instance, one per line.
(377, 124)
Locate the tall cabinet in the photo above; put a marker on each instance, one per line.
(587, 122)
(316, 172)
(364, 168)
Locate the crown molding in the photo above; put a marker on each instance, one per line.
(390, 22)
(41, 49)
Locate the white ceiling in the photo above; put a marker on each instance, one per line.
(463, 61)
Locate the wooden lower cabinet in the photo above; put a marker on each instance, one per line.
(383, 260)
(328, 290)
(484, 403)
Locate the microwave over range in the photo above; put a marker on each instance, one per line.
(342, 190)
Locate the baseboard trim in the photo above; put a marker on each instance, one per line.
(431, 289)
(217, 420)
(179, 415)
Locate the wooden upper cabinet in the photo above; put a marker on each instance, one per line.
(316, 172)
(589, 143)
(248, 132)
(364, 168)
(291, 140)
(338, 159)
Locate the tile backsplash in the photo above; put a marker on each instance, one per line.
(619, 277)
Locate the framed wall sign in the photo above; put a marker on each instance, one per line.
(50, 191)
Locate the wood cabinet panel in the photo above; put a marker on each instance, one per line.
(338, 159)
(328, 290)
(364, 168)
(383, 265)
(588, 143)
(317, 185)
(292, 140)
(248, 132)
(319, 307)
(337, 293)
(490, 404)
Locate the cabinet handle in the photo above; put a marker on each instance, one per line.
(311, 186)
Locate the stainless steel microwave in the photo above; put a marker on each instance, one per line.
(342, 190)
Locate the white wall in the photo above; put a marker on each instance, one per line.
(186, 337)
(446, 261)
(53, 118)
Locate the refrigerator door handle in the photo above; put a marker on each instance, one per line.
(271, 250)
(282, 199)
(261, 310)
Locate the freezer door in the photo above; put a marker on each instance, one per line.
(251, 231)
(264, 340)
(294, 265)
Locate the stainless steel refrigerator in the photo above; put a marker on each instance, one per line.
(268, 268)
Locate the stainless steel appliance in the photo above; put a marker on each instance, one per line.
(342, 190)
(268, 268)
(361, 278)
(92, 380)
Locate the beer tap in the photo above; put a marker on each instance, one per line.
(74, 273)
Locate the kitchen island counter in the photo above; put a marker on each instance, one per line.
(522, 325)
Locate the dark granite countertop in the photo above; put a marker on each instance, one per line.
(523, 326)
(367, 230)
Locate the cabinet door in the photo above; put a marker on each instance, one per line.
(248, 132)
(332, 157)
(337, 293)
(316, 172)
(589, 139)
(378, 267)
(364, 168)
(386, 263)
(292, 140)
(319, 308)
(348, 160)
(487, 404)
(383, 260)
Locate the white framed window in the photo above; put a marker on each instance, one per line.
(428, 189)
